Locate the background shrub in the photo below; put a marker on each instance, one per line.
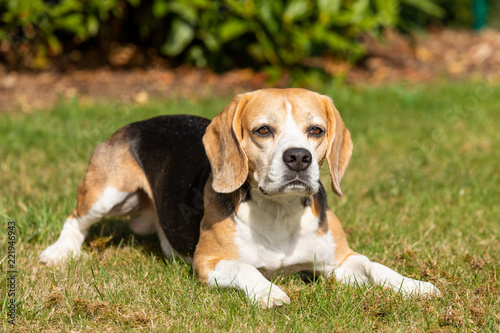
(275, 35)
(456, 13)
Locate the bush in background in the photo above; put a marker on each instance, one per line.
(456, 13)
(277, 35)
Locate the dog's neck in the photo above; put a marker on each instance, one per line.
(283, 216)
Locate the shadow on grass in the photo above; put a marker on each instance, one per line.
(116, 232)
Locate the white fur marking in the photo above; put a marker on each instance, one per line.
(281, 238)
(288, 108)
(249, 280)
(69, 243)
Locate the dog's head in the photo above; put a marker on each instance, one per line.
(277, 139)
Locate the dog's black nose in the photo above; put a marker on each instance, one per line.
(297, 159)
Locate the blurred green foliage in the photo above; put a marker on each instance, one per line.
(275, 35)
(456, 13)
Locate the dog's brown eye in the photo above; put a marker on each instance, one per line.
(316, 131)
(263, 131)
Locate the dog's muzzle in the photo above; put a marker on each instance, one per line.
(294, 174)
(297, 177)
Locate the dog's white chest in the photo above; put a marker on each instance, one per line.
(277, 240)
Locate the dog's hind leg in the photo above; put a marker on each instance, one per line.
(145, 222)
(76, 226)
(114, 185)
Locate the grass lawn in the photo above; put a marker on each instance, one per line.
(421, 195)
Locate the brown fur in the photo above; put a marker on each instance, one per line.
(340, 145)
(112, 164)
(216, 238)
(222, 145)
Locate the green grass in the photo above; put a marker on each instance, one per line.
(421, 195)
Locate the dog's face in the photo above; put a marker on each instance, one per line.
(277, 140)
(285, 140)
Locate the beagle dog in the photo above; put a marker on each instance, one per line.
(241, 195)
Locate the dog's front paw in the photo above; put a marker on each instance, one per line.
(58, 252)
(270, 296)
(414, 287)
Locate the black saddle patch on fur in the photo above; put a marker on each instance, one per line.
(170, 151)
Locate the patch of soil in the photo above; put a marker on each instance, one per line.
(440, 53)
(425, 57)
(25, 91)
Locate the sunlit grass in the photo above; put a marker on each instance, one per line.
(421, 195)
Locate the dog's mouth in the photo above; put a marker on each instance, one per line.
(296, 184)
(293, 186)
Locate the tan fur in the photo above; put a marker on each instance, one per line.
(340, 145)
(315, 207)
(216, 238)
(222, 145)
(342, 249)
(112, 164)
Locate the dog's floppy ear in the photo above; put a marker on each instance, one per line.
(339, 150)
(222, 141)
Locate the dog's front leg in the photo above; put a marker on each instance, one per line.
(359, 269)
(242, 276)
